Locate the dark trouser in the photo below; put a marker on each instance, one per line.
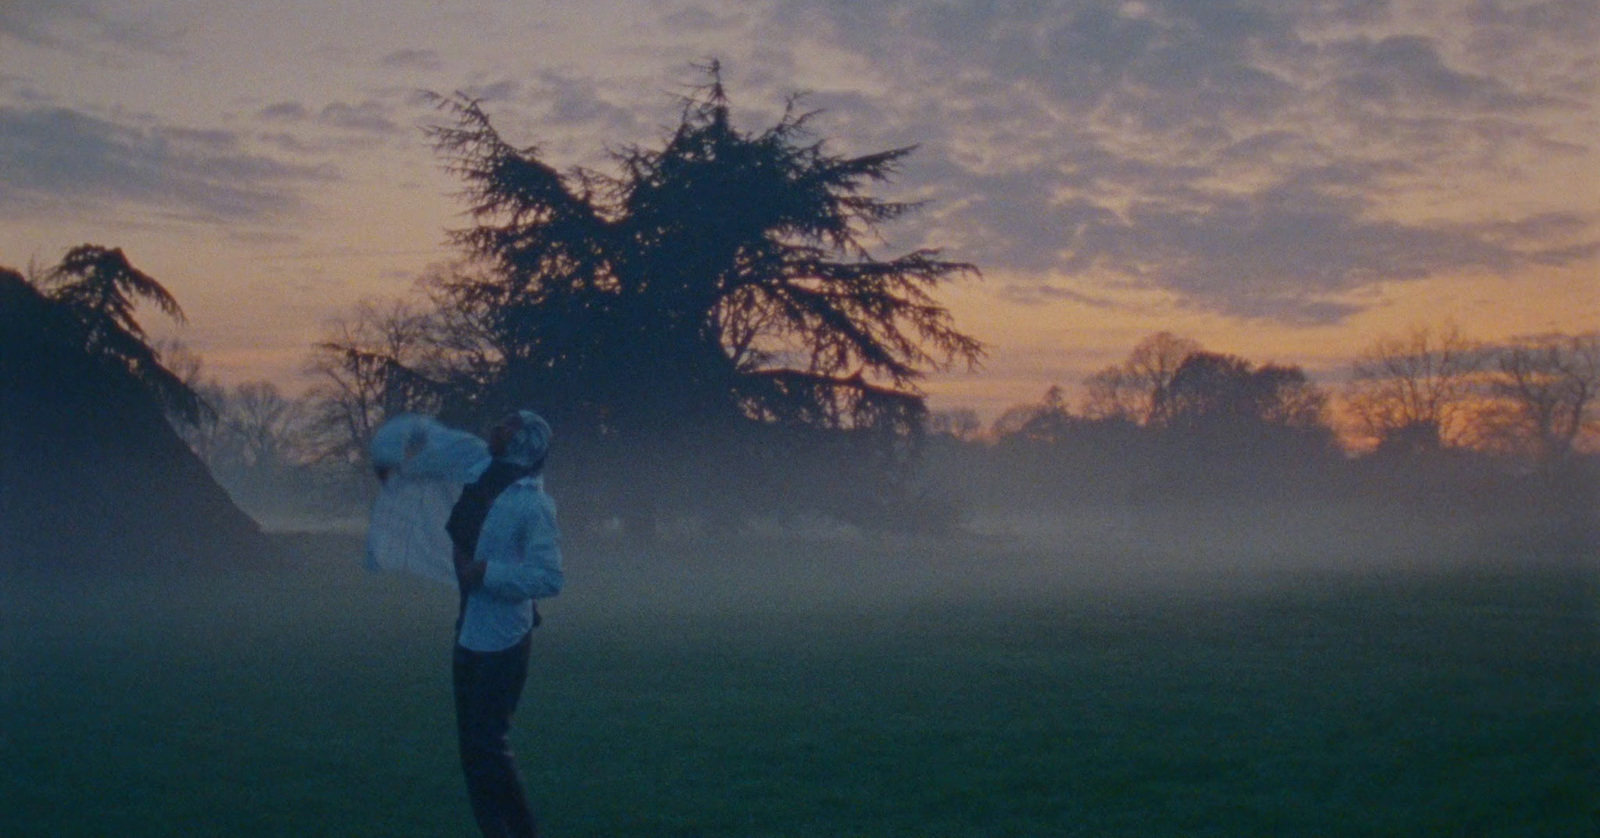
(487, 687)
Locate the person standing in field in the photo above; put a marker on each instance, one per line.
(507, 554)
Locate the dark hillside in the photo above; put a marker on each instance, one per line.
(91, 474)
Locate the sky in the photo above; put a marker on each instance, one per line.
(1287, 180)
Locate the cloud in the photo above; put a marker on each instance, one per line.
(20, 89)
(41, 21)
(572, 119)
(80, 26)
(1521, 34)
(1033, 292)
(370, 116)
(1298, 250)
(1246, 157)
(412, 59)
(698, 19)
(1259, 159)
(571, 101)
(502, 90)
(285, 112)
(1407, 73)
(50, 157)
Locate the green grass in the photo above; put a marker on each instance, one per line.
(314, 701)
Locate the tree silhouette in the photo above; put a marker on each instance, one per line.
(1547, 389)
(1048, 422)
(99, 289)
(376, 363)
(1227, 398)
(1410, 393)
(960, 423)
(702, 314)
(724, 276)
(1133, 390)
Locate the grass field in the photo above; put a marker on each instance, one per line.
(674, 696)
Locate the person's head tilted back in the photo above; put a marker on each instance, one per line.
(521, 438)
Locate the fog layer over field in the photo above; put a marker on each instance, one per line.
(1109, 555)
(999, 536)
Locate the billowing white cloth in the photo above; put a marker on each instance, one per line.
(406, 533)
(427, 464)
(420, 447)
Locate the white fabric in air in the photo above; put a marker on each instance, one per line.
(427, 465)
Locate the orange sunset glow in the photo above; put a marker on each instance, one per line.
(1286, 181)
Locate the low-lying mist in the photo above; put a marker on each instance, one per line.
(993, 525)
(1112, 555)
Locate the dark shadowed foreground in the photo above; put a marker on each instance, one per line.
(836, 687)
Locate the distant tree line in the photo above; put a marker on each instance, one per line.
(1430, 417)
(1427, 419)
